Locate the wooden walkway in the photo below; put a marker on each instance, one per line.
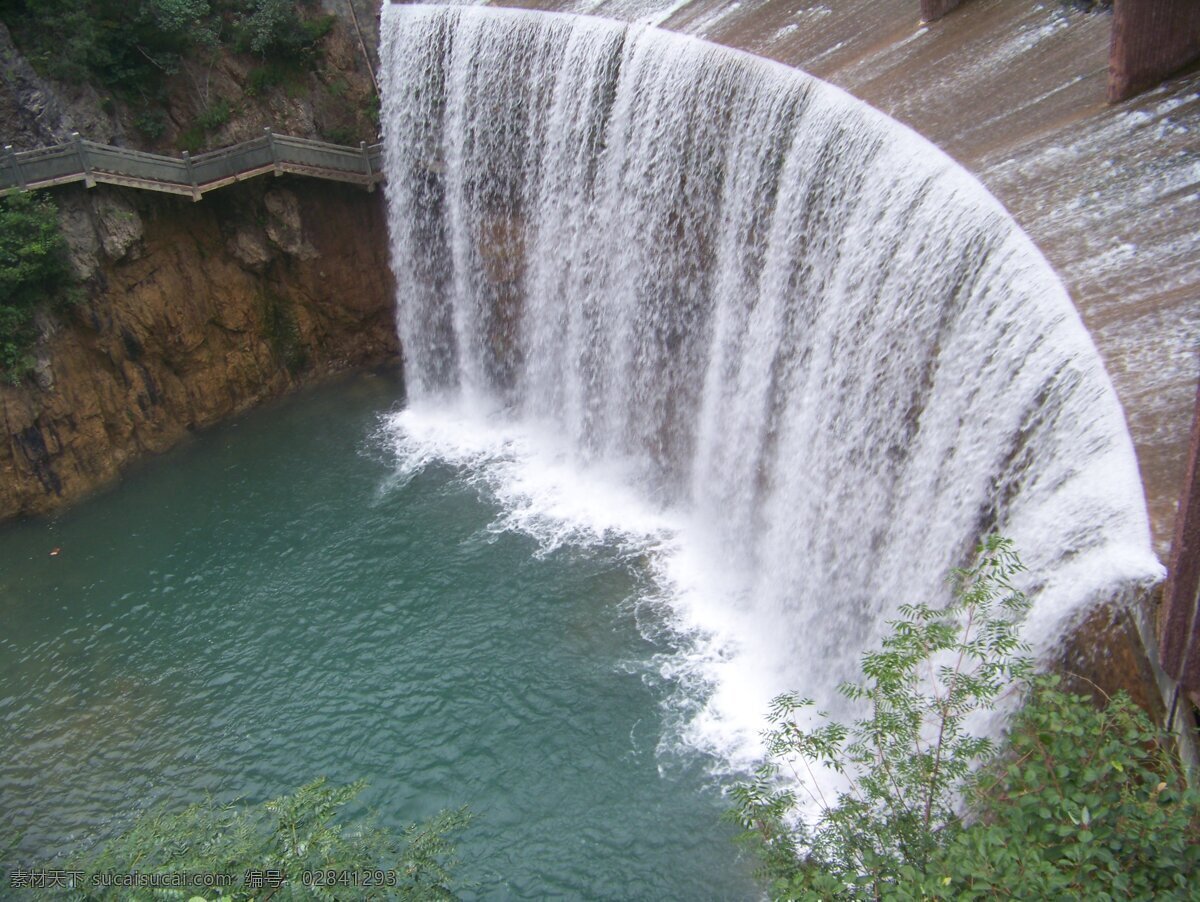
(85, 161)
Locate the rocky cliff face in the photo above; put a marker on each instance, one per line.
(192, 312)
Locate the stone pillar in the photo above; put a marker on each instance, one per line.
(935, 9)
(1150, 40)
(1179, 643)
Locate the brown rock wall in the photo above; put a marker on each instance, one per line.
(199, 311)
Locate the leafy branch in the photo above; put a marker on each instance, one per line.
(288, 839)
(898, 829)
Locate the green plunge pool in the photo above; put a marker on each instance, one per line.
(270, 604)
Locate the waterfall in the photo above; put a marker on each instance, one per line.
(696, 294)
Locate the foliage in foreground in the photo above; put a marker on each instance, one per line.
(1080, 803)
(1086, 803)
(33, 273)
(268, 850)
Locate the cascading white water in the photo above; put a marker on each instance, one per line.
(675, 290)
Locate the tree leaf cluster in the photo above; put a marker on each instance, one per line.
(272, 29)
(1086, 802)
(132, 46)
(34, 273)
(303, 832)
(1080, 802)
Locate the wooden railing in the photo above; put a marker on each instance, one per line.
(85, 161)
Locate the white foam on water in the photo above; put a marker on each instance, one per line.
(541, 487)
(545, 491)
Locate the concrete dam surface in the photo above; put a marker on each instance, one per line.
(661, 289)
(1014, 90)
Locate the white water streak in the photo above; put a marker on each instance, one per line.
(745, 304)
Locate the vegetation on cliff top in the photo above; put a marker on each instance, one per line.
(133, 47)
(1081, 802)
(34, 274)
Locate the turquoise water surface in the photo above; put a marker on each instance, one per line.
(271, 603)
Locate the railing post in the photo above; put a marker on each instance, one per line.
(187, 162)
(366, 155)
(16, 167)
(81, 151)
(274, 150)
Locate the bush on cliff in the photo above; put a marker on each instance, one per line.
(133, 45)
(126, 45)
(1081, 802)
(274, 29)
(1084, 803)
(34, 273)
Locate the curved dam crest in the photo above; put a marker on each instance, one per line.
(661, 289)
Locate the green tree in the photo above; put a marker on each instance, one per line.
(34, 273)
(1085, 803)
(132, 46)
(275, 29)
(297, 836)
(129, 46)
(899, 830)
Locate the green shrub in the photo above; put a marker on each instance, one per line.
(214, 116)
(134, 46)
(59, 38)
(151, 123)
(283, 840)
(340, 134)
(274, 29)
(373, 109)
(126, 45)
(1081, 803)
(1085, 803)
(194, 138)
(265, 77)
(34, 273)
(317, 28)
